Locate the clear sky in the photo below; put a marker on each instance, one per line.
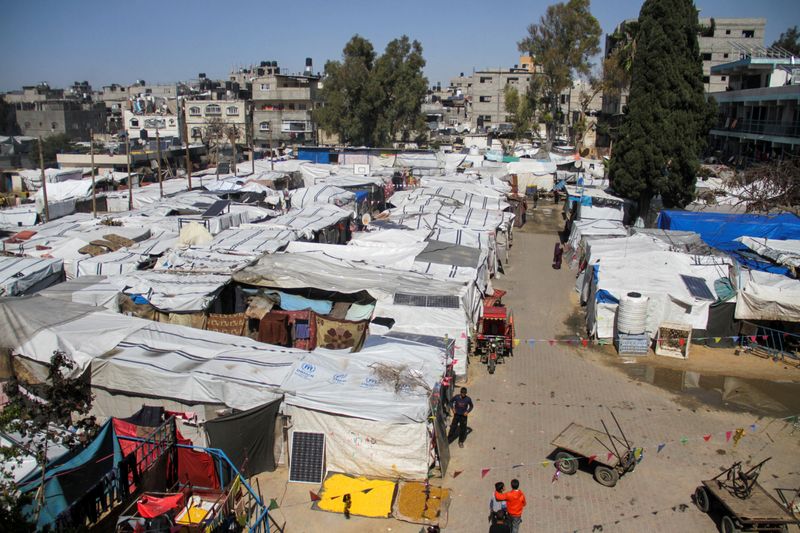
(105, 41)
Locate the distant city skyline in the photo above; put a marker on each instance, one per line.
(108, 42)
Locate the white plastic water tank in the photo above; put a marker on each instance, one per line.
(632, 314)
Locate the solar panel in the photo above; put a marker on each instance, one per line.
(698, 287)
(423, 300)
(216, 208)
(308, 457)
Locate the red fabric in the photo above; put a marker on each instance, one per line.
(195, 468)
(153, 506)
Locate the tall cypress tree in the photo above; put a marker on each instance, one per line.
(668, 117)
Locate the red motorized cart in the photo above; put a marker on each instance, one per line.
(494, 339)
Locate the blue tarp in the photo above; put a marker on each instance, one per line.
(361, 196)
(314, 155)
(292, 302)
(721, 230)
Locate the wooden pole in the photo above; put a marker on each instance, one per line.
(94, 194)
(271, 163)
(186, 140)
(130, 178)
(44, 183)
(160, 181)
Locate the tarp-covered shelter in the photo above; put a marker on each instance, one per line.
(23, 275)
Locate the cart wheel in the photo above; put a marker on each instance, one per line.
(566, 463)
(727, 525)
(606, 476)
(701, 499)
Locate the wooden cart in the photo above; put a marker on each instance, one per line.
(579, 442)
(741, 503)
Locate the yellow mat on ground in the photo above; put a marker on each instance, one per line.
(368, 497)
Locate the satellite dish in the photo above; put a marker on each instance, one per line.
(366, 219)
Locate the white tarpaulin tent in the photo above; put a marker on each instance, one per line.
(203, 260)
(252, 240)
(323, 194)
(310, 219)
(22, 275)
(766, 296)
(169, 292)
(97, 291)
(783, 252)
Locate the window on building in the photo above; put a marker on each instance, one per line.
(134, 123)
(727, 32)
(194, 111)
(196, 133)
(707, 56)
(486, 118)
(563, 98)
(512, 80)
(265, 86)
(263, 126)
(748, 34)
(213, 109)
(232, 110)
(486, 79)
(705, 79)
(301, 107)
(725, 56)
(485, 98)
(53, 125)
(724, 78)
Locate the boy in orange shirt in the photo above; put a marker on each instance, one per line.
(515, 502)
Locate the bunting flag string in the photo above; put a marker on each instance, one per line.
(638, 452)
(603, 342)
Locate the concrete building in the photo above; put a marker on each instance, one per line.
(70, 117)
(759, 112)
(168, 126)
(115, 97)
(204, 119)
(484, 93)
(33, 93)
(283, 105)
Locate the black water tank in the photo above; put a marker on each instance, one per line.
(202, 75)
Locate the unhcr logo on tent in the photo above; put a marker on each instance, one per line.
(306, 370)
(339, 379)
(369, 382)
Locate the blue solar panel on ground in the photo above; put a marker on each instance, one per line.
(698, 287)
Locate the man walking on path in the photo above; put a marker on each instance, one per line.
(462, 406)
(495, 505)
(515, 500)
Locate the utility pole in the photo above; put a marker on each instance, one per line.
(91, 152)
(186, 140)
(158, 149)
(44, 183)
(271, 163)
(130, 178)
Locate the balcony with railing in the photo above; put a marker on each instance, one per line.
(774, 128)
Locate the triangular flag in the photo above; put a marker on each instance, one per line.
(752, 427)
(314, 496)
(545, 463)
(592, 458)
(367, 491)
(637, 452)
(273, 504)
(556, 475)
(684, 440)
(484, 471)
(764, 337)
(735, 338)
(457, 473)
(660, 447)
(681, 341)
(728, 435)
(518, 466)
(585, 342)
(717, 339)
(531, 342)
(609, 456)
(752, 338)
(463, 335)
(552, 342)
(738, 436)
(707, 437)
(516, 342)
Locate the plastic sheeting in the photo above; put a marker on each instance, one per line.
(21, 275)
(783, 252)
(765, 296)
(252, 240)
(170, 292)
(96, 291)
(322, 194)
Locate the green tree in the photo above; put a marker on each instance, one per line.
(372, 100)
(521, 108)
(668, 118)
(562, 43)
(53, 145)
(789, 41)
(8, 119)
(60, 402)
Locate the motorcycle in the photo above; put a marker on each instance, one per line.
(492, 357)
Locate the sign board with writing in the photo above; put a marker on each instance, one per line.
(633, 344)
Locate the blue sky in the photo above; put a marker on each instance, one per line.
(106, 41)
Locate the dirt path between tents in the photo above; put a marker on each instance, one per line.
(544, 387)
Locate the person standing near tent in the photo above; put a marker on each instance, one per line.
(515, 499)
(558, 252)
(462, 407)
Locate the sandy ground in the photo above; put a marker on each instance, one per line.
(535, 394)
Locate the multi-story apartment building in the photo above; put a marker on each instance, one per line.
(206, 119)
(33, 93)
(70, 117)
(283, 105)
(484, 93)
(759, 111)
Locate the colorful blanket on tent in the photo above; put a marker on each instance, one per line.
(341, 334)
(231, 324)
